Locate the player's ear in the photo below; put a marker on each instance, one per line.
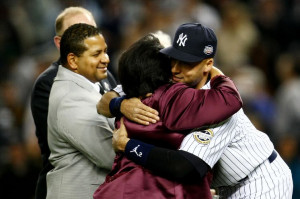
(72, 61)
(208, 64)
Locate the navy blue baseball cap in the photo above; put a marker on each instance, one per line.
(193, 42)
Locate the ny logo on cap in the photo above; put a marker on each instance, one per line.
(182, 39)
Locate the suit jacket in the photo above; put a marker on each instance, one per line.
(79, 138)
(39, 109)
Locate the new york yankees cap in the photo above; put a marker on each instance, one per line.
(193, 42)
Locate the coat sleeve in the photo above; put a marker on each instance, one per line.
(187, 108)
(87, 131)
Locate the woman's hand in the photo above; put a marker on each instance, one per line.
(215, 72)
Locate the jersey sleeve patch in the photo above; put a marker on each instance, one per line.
(203, 136)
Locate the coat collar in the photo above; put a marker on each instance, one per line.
(65, 74)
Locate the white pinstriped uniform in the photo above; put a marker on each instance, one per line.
(238, 154)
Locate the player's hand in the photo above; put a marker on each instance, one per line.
(215, 71)
(136, 111)
(120, 138)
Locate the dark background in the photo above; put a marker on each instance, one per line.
(258, 47)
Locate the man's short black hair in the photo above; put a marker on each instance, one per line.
(142, 68)
(72, 40)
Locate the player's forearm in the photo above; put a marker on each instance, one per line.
(172, 164)
(103, 104)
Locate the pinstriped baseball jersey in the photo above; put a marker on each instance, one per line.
(235, 148)
(238, 153)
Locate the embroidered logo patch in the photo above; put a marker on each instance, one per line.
(181, 40)
(203, 136)
(208, 50)
(139, 154)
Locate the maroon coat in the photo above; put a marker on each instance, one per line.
(181, 109)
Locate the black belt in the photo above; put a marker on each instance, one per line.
(272, 157)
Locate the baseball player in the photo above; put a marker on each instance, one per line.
(243, 159)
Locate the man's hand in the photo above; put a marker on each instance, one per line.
(136, 111)
(120, 138)
(103, 104)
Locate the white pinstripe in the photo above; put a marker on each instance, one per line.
(238, 153)
(268, 180)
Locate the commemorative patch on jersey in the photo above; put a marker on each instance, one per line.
(203, 136)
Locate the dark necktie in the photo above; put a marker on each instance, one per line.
(101, 89)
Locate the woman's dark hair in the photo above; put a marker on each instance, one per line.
(142, 68)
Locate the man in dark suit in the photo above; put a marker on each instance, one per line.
(42, 87)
